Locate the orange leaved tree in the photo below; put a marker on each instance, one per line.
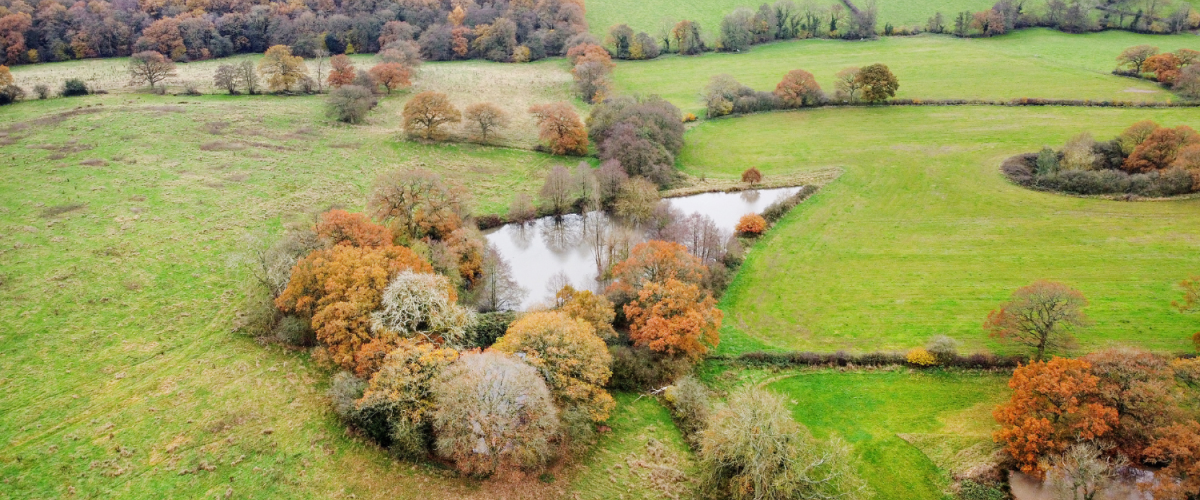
(392, 75)
(426, 112)
(1040, 315)
(674, 318)
(1178, 447)
(751, 225)
(1160, 149)
(560, 127)
(340, 227)
(339, 287)
(799, 88)
(653, 261)
(342, 72)
(1054, 405)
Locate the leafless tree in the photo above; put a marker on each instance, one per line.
(248, 76)
(558, 193)
(150, 67)
(485, 119)
(586, 187)
(498, 291)
(522, 209)
(417, 202)
(1082, 471)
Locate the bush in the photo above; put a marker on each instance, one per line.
(639, 368)
(42, 90)
(423, 305)
(400, 395)
(344, 390)
(971, 490)
(752, 448)
(295, 331)
(10, 94)
(777, 210)
(920, 357)
(488, 328)
(74, 87)
(689, 404)
(751, 225)
(569, 355)
(944, 349)
(493, 413)
(350, 103)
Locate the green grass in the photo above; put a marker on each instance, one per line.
(119, 372)
(638, 458)
(1028, 63)
(870, 409)
(922, 235)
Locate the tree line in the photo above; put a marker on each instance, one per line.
(52, 30)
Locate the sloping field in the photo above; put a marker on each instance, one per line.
(1029, 63)
(922, 235)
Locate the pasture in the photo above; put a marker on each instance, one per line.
(1028, 63)
(922, 235)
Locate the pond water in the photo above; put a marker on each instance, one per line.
(548, 250)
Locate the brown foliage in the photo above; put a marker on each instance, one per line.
(1135, 134)
(150, 67)
(799, 88)
(342, 72)
(1040, 315)
(560, 126)
(339, 287)
(653, 261)
(340, 227)
(1160, 149)
(417, 203)
(751, 225)
(1179, 448)
(1139, 386)
(1164, 66)
(1054, 404)
(485, 118)
(877, 82)
(752, 176)
(426, 112)
(1136, 56)
(674, 318)
(392, 75)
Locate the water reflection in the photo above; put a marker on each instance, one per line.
(577, 246)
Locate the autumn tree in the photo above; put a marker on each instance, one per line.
(426, 112)
(687, 38)
(494, 413)
(674, 318)
(1139, 385)
(398, 404)
(847, 84)
(417, 203)
(1134, 57)
(1054, 404)
(799, 88)
(149, 67)
(392, 76)
(485, 119)
(653, 261)
(1041, 315)
(1178, 446)
(339, 287)
(751, 225)
(1160, 149)
(1137, 133)
(752, 176)
(9, 91)
(877, 82)
(569, 355)
(1164, 66)
(339, 227)
(560, 126)
(423, 306)
(636, 200)
(342, 72)
(595, 309)
(1188, 82)
(282, 69)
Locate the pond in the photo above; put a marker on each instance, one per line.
(545, 252)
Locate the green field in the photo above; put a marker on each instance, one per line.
(922, 235)
(948, 414)
(1028, 63)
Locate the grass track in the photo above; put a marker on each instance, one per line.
(869, 409)
(922, 235)
(1028, 63)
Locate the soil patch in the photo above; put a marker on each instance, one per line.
(60, 209)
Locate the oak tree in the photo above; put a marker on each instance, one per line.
(1040, 315)
(343, 71)
(427, 112)
(877, 82)
(282, 69)
(485, 119)
(799, 88)
(560, 126)
(150, 67)
(392, 76)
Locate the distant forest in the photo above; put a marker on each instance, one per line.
(185, 30)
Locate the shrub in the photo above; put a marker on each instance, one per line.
(636, 200)
(423, 305)
(345, 390)
(943, 349)
(689, 117)
(752, 448)
(74, 87)
(688, 400)
(350, 103)
(972, 490)
(569, 355)
(295, 331)
(493, 413)
(751, 225)
(42, 90)
(777, 210)
(488, 328)
(639, 368)
(920, 357)
(400, 394)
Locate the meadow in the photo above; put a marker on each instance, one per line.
(922, 235)
(1028, 63)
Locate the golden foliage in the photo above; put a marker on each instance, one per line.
(751, 225)
(595, 309)
(281, 68)
(920, 357)
(404, 381)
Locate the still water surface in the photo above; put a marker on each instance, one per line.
(541, 249)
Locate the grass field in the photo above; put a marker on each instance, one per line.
(922, 235)
(881, 413)
(119, 372)
(1029, 63)
(652, 15)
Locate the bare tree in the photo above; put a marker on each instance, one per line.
(700, 234)
(485, 118)
(150, 67)
(498, 291)
(522, 209)
(247, 75)
(1082, 471)
(586, 187)
(226, 78)
(557, 193)
(320, 54)
(610, 177)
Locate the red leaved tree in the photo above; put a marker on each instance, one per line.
(1054, 405)
(1160, 149)
(342, 72)
(392, 76)
(1179, 448)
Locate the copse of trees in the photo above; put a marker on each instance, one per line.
(503, 30)
(1072, 17)
(872, 84)
(1177, 70)
(592, 69)
(622, 43)
(644, 135)
(1146, 160)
